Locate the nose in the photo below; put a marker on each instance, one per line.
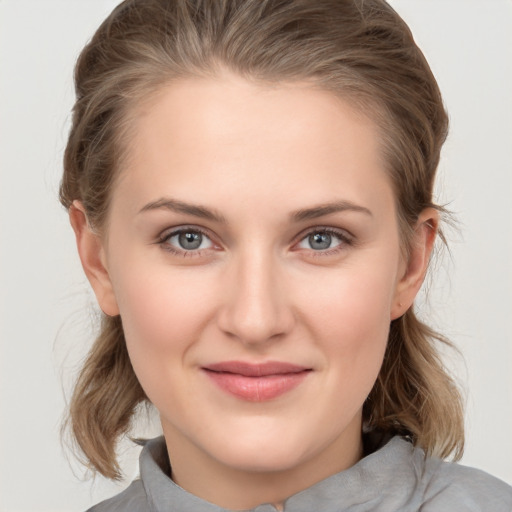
(256, 307)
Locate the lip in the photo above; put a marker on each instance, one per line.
(256, 382)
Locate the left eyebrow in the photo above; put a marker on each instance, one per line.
(327, 209)
(177, 206)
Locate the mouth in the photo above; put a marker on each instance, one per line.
(256, 382)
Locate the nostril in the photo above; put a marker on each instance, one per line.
(255, 310)
(256, 327)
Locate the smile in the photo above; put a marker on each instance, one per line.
(256, 382)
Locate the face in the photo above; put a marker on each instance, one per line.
(254, 257)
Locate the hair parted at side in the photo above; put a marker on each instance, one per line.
(359, 49)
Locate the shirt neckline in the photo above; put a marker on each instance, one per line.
(357, 484)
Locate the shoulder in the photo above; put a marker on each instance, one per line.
(448, 486)
(132, 499)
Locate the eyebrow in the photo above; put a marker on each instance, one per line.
(327, 209)
(177, 206)
(301, 215)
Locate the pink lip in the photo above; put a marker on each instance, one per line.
(256, 382)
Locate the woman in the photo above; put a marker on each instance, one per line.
(250, 185)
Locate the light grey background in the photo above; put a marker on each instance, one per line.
(46, 309)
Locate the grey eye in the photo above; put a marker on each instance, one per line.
(320, 241)
(189, 240)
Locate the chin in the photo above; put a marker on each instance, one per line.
(264, 450)
(263, 459)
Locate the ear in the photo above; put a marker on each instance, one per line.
(416, 265)
(92, 255)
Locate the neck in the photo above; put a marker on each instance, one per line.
(241, 488)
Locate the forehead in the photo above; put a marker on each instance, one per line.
(232, 137)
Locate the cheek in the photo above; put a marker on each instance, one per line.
(157, 299)
(353, 301)
(351, 320)
(163, 313)
(354, 327)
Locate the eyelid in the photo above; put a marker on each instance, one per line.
(346, 239)
(168, 233)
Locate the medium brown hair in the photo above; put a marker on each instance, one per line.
(359, 49)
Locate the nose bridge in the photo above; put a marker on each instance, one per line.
(256, 308)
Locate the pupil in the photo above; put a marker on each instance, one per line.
(320, 241)
(190, 240)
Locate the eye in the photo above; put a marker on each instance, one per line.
(186, 240)
(323, 239)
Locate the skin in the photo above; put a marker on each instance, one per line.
(257, 290)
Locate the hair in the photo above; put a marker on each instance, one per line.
(358, 49)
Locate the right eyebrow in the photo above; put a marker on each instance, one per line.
(177, 206)
(327, 209)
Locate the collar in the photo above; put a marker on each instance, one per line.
(367, 484)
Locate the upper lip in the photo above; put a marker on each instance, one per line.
(256, 370)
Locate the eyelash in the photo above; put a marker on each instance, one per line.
(344, 238)
(163, 241)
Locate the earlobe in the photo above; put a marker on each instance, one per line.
(417, 264)
(92, 255)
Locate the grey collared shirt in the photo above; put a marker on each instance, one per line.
(395, 478)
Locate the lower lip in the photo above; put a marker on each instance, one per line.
(257, 389)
